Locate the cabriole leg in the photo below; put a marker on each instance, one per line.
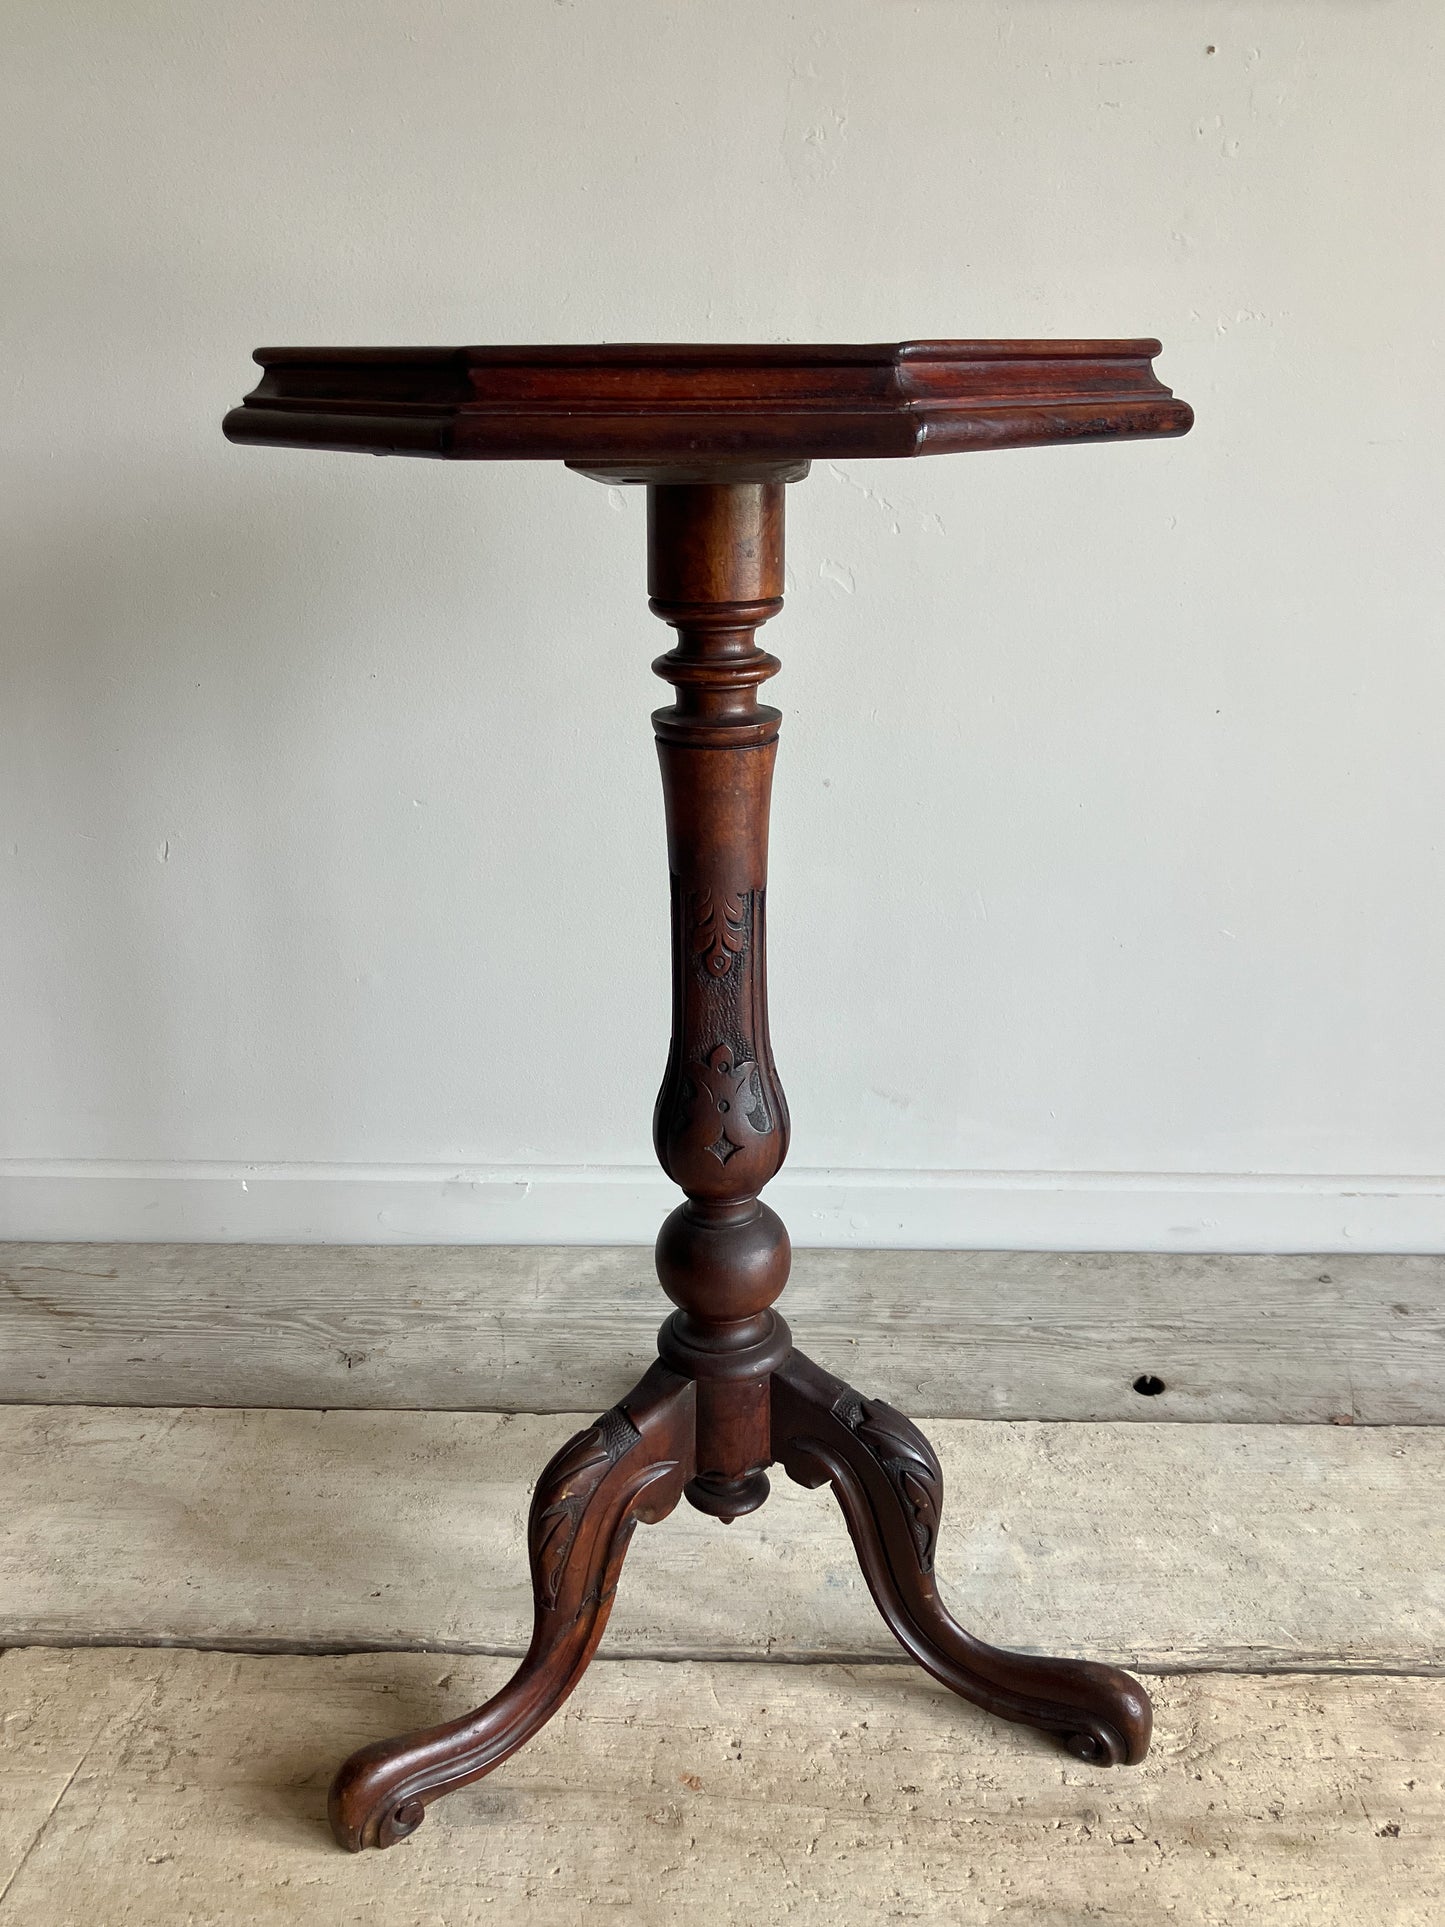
(630, 1466)
(890, 1487)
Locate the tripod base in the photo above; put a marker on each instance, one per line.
(633, 1466)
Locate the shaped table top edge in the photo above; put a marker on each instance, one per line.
(648, 411)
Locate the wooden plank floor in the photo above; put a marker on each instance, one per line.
(749, 1748)
(147, 1789)
(1177, 1545)
(1017, 1335)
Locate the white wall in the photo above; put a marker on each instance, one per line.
(1107, 899)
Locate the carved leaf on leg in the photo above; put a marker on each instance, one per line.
(569, 1484)
(908, 1460)
(888, 1484)
(628, 1468)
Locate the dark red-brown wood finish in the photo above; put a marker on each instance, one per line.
(715, 433)
(693, 413)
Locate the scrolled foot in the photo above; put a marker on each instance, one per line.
(1122, 1741)
(890, 1487)
(629, 1467)
(362, 1816)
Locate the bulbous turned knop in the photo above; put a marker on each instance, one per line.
(723, 1264)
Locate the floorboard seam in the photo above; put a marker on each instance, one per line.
(533, 1409)
(1243, 1666)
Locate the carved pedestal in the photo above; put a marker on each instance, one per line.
(715, 434)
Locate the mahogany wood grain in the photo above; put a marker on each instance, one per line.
(652, 412)
(715, 433)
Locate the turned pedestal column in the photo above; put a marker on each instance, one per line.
(715, 572)
(715, 434)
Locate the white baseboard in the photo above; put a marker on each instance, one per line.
(969, 1210)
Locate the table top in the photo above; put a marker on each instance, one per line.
(646, 411)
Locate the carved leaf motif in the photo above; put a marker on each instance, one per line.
(719, 930)
(568, 1485)
(721, 1120)
(906, 1457)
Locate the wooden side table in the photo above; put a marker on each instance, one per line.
(714, 433)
